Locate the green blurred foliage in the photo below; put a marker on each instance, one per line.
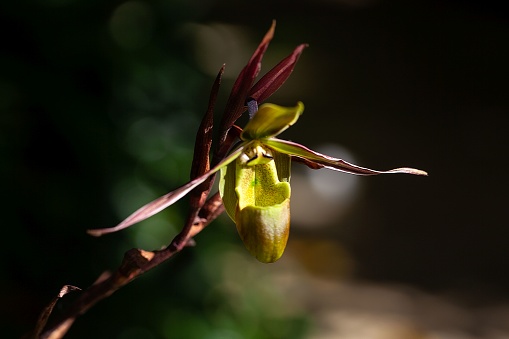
(103, 101)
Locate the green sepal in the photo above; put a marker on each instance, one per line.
(271, 120)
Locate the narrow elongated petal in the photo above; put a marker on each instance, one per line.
(168, 199)
(276, 77)
(300, 151)
(271, 120)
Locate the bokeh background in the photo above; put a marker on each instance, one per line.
(100, 102)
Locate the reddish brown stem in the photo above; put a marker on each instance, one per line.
(135, 263)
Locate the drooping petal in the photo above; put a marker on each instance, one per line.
(168, 199)
(300, 151)
(271, 120)
(276, 77)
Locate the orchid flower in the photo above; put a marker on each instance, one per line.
(255, 173)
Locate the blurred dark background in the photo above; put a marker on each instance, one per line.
(100, 102)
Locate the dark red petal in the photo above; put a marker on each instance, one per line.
(235, 105)
(201, 160)
(276, 77)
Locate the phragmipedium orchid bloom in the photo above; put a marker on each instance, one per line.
(256, 187)
(255, 173)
